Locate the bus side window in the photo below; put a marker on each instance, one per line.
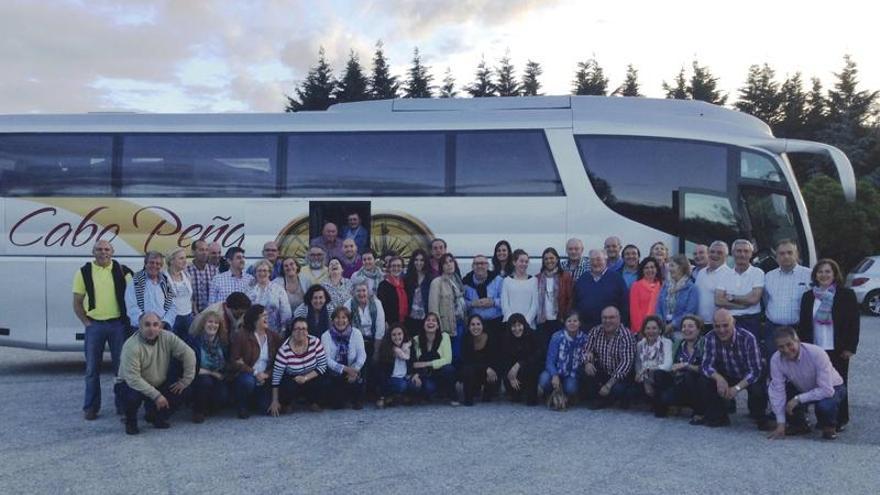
(55, 165)
(510, 162)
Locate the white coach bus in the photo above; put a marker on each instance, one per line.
(534, 171)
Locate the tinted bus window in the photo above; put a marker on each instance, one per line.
(505, 162)
(368, 163)
(640, 177)
(199, 165)
(55, 165)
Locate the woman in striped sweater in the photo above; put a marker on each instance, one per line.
(299, 368)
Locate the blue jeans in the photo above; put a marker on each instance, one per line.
(249, 395)
(398, 386)
(456, 341)
(97, 335)
(442, 380)
(826, 409)
(570, 384)
(181, 325)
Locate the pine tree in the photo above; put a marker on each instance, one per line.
(849, 113)
(680, 90)
(316, 92)
(507, 83)
(483, 85)
(630, 86)
(817, 110)
(590, 79)
(703, 86)
(792, 110)
(760, 96)
(530, 84)
(447, 89)
(353, 85)
(418, 84)
(382, 84)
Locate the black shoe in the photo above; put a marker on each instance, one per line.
(597, 404)
(161, 424)
(90, 414)
(150, 416)
(532, 402)
(797, 429)
(840, 428)
(468, 403)
(357, 406)
(697, 421)
(717, 423)
(243, 413)
(198, 418)
(766, 425)
(131, 428)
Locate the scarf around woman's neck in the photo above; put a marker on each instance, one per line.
(211, 354)
(672, 293)
(571, 353)
(402, 300)
(826, 301)
(341, 339)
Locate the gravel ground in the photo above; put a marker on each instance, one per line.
(46, 446)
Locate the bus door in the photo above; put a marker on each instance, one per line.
(705, 216)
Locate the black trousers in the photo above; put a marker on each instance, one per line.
(209, 394)
(290, 392)
(528, 384)
(842, 367)
(473, 377)
(717, 406)
(133, 400)
(686, 391)
(544, 332)
(339, 390)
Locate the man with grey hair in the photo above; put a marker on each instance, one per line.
(576, 264)
(143, 373)
(315, 270)
(612, 250)
(783, 289)
(598, 289)
(482, 294)
(740, 290)
(708, 280)
(150, 290)
(701, 259)
(99, 303)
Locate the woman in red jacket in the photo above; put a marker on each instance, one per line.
(644, 292)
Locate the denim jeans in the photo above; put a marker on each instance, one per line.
(249, 395)
(209, 394)
(398, 386)
(570, 384)
(442, 380)
(97, 335)
(826, 409)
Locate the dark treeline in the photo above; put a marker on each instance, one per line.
(843, 115)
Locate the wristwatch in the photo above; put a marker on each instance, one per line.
(738, 389)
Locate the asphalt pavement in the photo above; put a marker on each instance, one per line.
(47, 447)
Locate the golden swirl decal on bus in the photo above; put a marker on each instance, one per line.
(389, 232)
(142, 227)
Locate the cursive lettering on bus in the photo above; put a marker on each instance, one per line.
(63, 233)
(157, 230)
(223, 233)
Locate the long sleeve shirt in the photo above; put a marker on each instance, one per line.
(642, 302)
(274, 298)
(615, 354)
(154, 302)
(783, 292)
(520, 296)
(654, 357)
(493, 291)
(143, 365)
(444, 351)
(739, 358)
(592, 295)
(357, 353)
(811, 373)
(225, 283)
(290, 363)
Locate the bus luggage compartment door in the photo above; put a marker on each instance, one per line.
(23, 302)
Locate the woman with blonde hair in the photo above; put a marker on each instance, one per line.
(182, 291)
(210, 391)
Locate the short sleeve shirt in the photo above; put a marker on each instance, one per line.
(740, 284)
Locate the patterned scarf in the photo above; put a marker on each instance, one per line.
(341, 340)
(356, 316)
(571, 353)
(826, 301)
(672, 290)
(652, 354)
(402, 300)
(211, 354)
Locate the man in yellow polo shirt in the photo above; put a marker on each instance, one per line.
(99, 303)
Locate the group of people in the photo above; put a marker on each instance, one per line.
(607, 327)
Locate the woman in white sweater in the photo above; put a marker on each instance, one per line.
(519, 293)
(653, 364)
(346, 356)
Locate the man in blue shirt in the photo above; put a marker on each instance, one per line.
(356, 231)
(598, 289)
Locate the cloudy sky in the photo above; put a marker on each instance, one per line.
(245, 55)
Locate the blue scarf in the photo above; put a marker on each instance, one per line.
(341, 340)
(826, 301)
(571, 353)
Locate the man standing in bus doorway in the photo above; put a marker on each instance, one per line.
(576, 264)
(356, 232)
(740, 290)
(99, 303)
(438, 249)
(201, 272)
(270, 254)
(612, 250)
(329, 241)
(150, 290)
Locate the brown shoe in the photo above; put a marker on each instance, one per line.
(766, 425)
(90, 414)
(314, 407)
(198, 418)
(829, 433)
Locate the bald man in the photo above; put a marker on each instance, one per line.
(329, 241)
(99, 303)
(732, 364)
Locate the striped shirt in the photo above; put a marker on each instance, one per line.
(739, 358)
(783, 292)
(290, 363)
(201, 284)
(224, 284)
(614, 355)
